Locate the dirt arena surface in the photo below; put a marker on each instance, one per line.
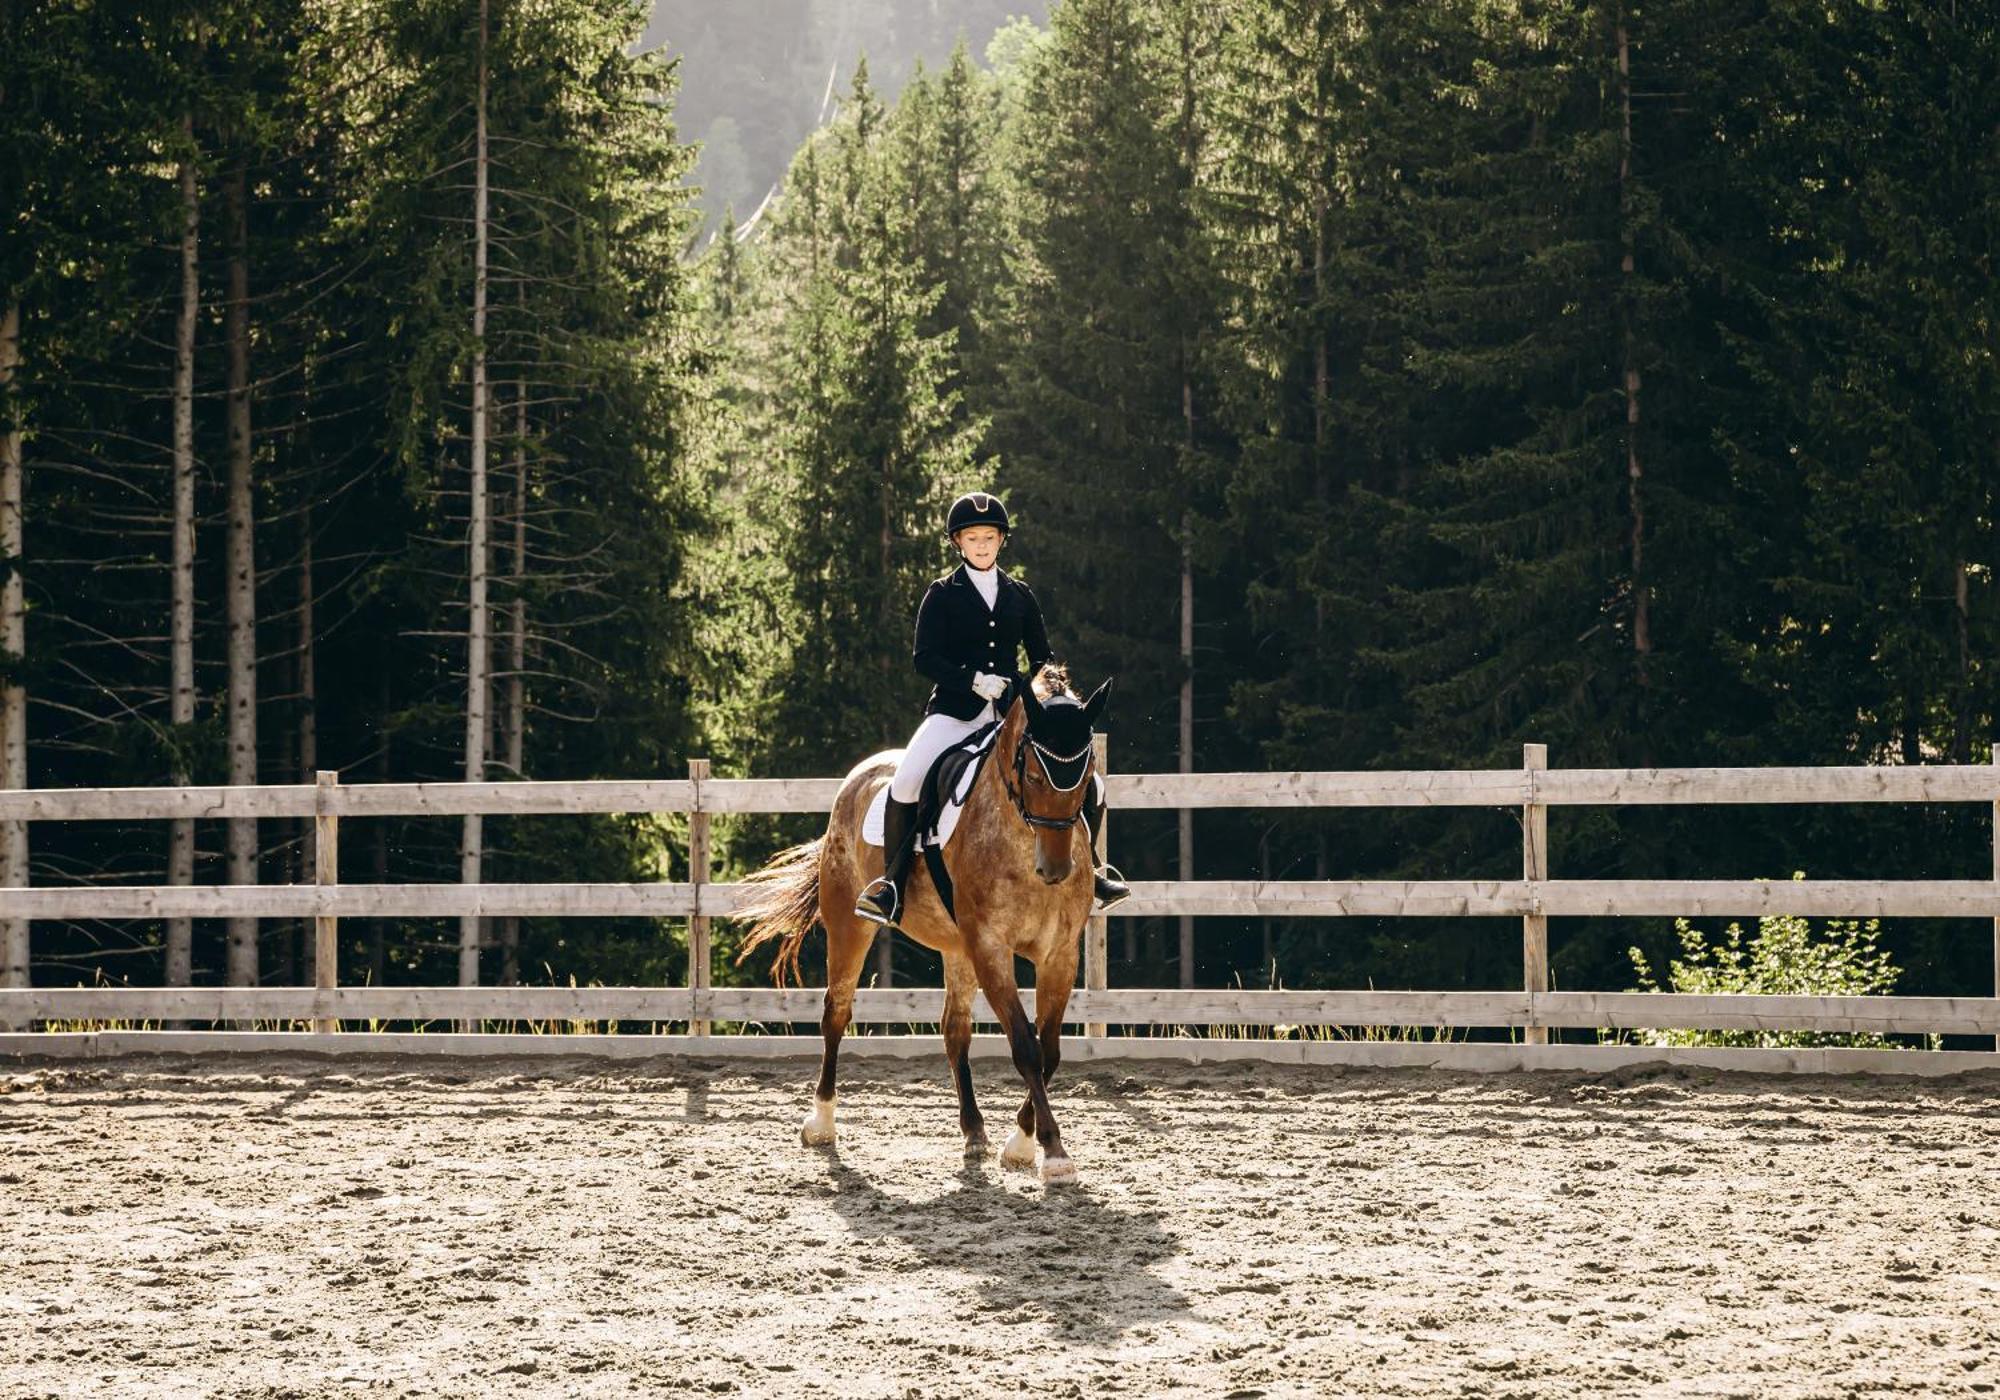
(300, 1227)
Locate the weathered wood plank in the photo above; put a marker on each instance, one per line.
(326, 873)
(1304, 898)
(1130, 1006)
(356, 1003)
(1325, 898)
(699, 871)
(1535, 870)
(1841, 898)
(923, 1005)
(357, 800)
(136, 804)
(1676, 786)
(345, 901)
(1745, 1012)
(769, 794)
(1097, 929)
(1633, 898)
(1472, 787)
(1470, 1057)
(516, 799)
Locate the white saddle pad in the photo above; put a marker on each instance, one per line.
(871, 824)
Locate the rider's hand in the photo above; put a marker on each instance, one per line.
(987, 686)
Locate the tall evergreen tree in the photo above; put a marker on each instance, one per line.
(870, 448)
(1106, 417)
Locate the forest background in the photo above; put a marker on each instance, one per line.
(1373, 386)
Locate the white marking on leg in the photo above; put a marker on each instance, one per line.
(1019, 1151)
(818, 1131)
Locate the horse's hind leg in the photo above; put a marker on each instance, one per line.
(847, 942)
(959, 984)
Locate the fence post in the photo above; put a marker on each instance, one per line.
(1097, 930)
(1996, 878)
(326, 872)
(1535, 869)
(698, 873)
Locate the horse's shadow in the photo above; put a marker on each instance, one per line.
(1062, 1256)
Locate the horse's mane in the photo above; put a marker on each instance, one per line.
(1052, 682)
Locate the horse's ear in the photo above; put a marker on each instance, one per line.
(1094, 706)
(1026, 690)
(1014, 722)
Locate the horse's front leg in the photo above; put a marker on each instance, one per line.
(1035, 1124)
(960, 982)
(996, 979)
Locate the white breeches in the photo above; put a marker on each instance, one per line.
(936, 734)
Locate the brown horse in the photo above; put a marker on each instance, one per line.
(1020, 867)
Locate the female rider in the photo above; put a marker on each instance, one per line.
(969, 626)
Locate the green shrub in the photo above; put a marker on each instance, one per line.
(1784, 958)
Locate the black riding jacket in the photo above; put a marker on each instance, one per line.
(957, 637)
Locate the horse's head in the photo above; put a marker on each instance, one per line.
(1046, 753)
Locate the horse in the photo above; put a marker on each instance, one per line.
(1021, 870)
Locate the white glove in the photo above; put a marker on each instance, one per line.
(987, 686)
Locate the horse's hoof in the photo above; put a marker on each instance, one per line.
(818, 1130)
(978, 1146)
(1058, 1171)
(1019, 1152)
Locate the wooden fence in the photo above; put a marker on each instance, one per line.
(1533, 899)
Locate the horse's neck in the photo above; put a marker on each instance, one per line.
(988, 804)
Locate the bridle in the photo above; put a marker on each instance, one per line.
(1018, 788)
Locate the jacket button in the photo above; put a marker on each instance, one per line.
(990, 622)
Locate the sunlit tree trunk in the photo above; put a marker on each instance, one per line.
(516, 699)
(1642, 634)
(241, 564)
(476, 620)
(308, 729)
(14, 647)
(180, 694)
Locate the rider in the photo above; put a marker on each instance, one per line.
(968, 627)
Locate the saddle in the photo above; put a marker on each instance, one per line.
(942, 796)
(950, 781)
(939, 803)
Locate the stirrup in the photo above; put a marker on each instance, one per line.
(872, 906)
(1110, 885)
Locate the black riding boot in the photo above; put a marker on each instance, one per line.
(1110, 887)
(882, 901)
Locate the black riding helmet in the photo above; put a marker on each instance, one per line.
(976, 508)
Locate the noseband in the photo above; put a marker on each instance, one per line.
(1018, 788)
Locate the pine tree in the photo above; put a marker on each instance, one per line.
(1105, 415)
(869, 446)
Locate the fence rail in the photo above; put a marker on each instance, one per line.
(1534, 899)
(1122, 1007)
(1207, 898)
(1550, 787)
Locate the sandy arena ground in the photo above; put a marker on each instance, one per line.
(286, 1227)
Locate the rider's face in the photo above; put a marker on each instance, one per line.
(980, 544)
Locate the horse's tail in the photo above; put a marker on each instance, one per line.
(785, 907)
